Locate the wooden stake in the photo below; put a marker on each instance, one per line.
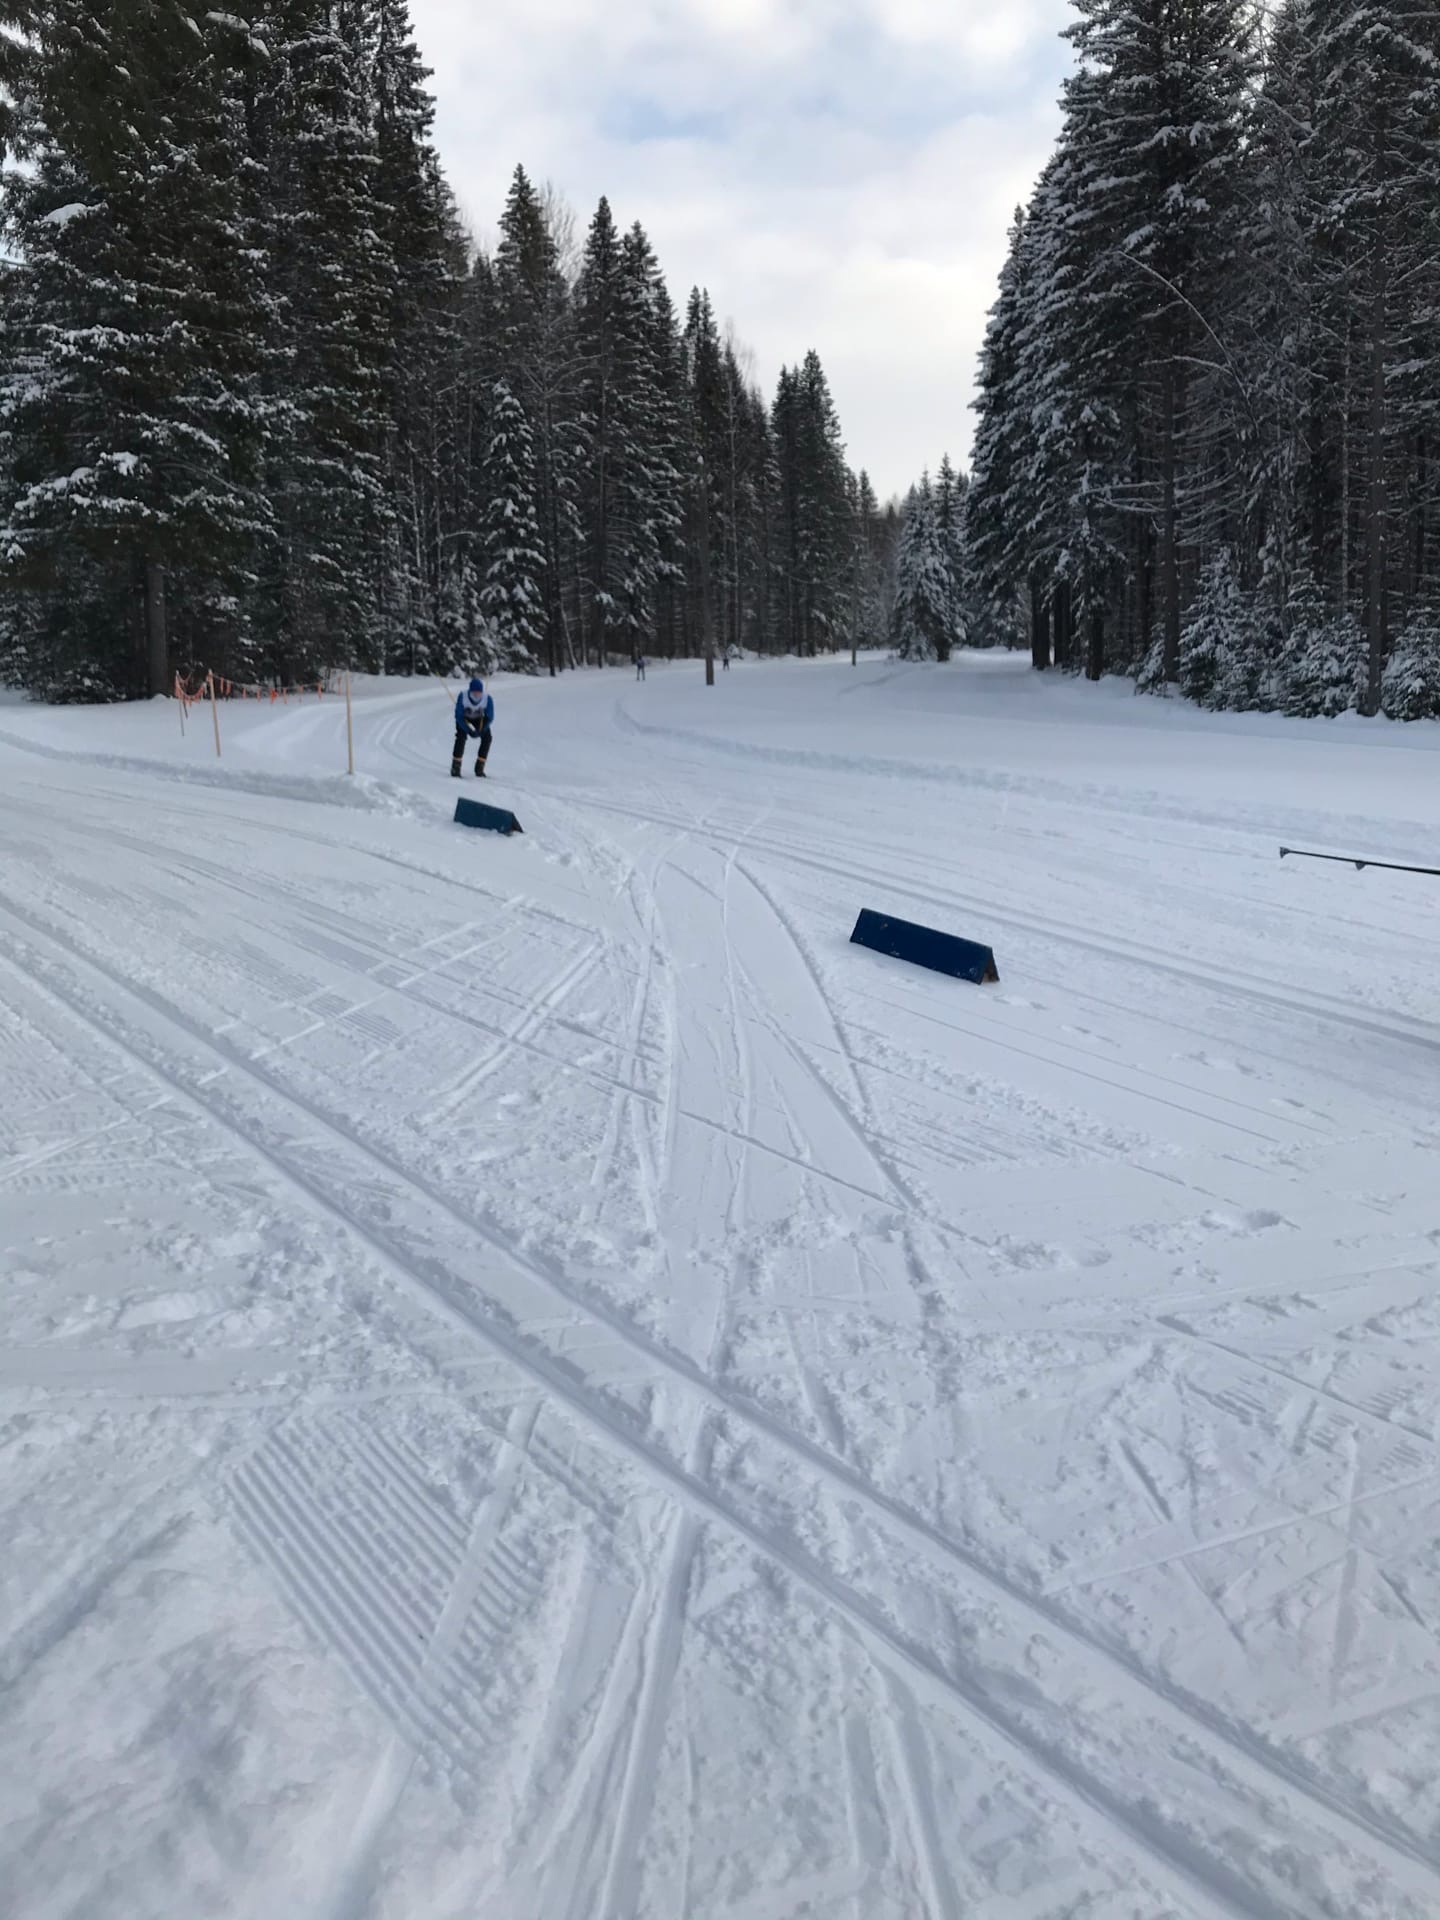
(215, 713)
(349, 727)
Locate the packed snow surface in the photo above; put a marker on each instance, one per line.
(539, 1382)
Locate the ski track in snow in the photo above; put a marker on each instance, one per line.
(547, 1383)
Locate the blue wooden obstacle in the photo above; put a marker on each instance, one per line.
(474, 813)
(924, 947)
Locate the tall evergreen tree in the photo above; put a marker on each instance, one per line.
(813, 510)
(630, 485)
(997, 542)
(920, 616)
(540, 364)
(513, 598)
(332, 275)
(606, 420)
(950, 490)
(133, 426)
(421, 574)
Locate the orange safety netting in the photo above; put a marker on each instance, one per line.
(198, 686)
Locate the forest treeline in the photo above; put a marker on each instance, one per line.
(265, 406)
(1208, 451)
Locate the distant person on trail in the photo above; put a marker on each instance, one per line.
(474, 711)
(639, 666)
(725, 659)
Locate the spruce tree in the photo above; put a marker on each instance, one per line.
(603, 418)
(1321, 660)
(332, 276)
(813, 510)
(513, 597)
(919, 619)
(1220, 658)
(869, 609)
(1411, 686)
(132, 420)
(1376, 183)
(711, 538)
(538, 358)
(950, 491)
(997, 548)
(673, 453)
(420, 575)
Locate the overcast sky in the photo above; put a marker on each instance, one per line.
(839, 173)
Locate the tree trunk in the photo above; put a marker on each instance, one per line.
(707, 616)
(1039, 626)
(157, 640)
(1375, 515)
(1419, 493)
(600, 559)
(1345, 506)
(1376, 504)
(1095, 645)
(1060, 615)
(855, 602)
(1169, 550)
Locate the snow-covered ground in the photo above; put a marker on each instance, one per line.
(540, 1383)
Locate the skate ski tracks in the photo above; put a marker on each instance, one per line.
(980, 1677)
(592, 1463)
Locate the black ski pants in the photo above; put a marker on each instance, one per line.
(462, 734)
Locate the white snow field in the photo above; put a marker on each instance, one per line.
(540, 1383)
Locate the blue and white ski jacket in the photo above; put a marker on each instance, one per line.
(472, 712)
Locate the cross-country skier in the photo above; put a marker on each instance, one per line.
(474, 712)
(639, 666)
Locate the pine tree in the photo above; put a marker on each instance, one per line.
(648, 482)
(1376, 182)
(513, 597)
(538, 358)
(1165, 184)
(420, 580)
(1220, 660)
(1073, 356)
(711, 534)
(605, 420)
(630, 484)
(869, 588)
(673, 453)
(1321, 656)
(132, 423)
(812, 509)
(1411, 687)
(332, 276)
(996, 543)
(950, 491)
(919, 618)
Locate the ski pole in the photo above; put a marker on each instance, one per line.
(1350, 860)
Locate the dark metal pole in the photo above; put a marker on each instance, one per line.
(1349, 860)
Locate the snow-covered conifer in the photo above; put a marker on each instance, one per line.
(512, 596)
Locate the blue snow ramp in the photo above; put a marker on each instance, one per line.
(474, 813)
(925, 947)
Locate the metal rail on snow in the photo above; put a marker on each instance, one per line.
(1349, 860)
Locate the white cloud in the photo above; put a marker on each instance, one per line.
(839, 173)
